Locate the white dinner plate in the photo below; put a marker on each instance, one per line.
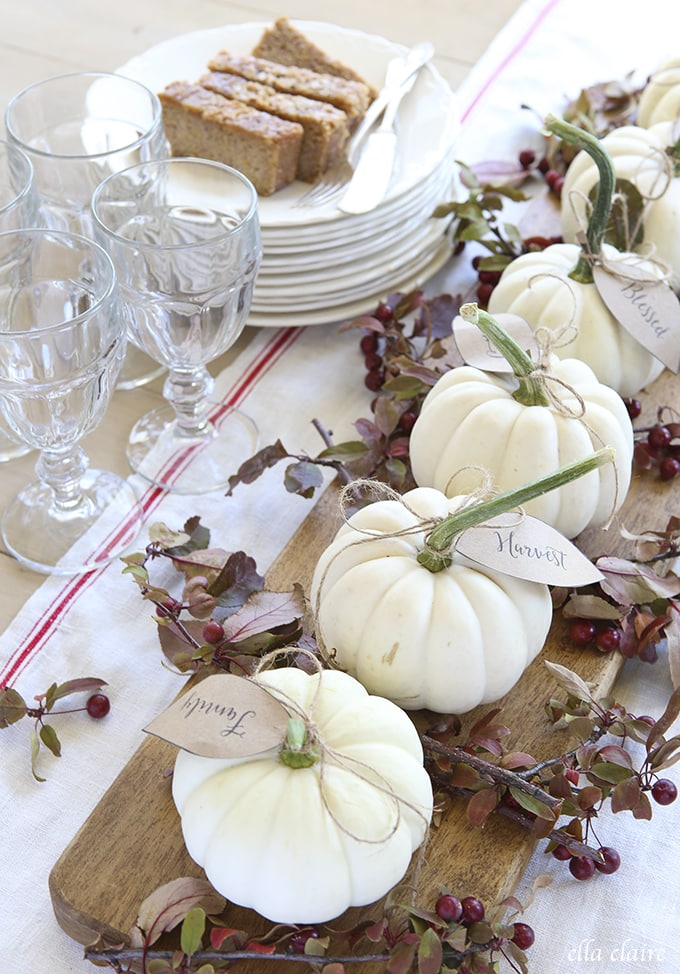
(362, 303)
(427, 117)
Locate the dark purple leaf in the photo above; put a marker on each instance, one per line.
(236, 582)
(254, 467)
(303, 478)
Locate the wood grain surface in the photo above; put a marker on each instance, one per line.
(132, 842)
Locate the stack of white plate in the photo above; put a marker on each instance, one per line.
(319, 264)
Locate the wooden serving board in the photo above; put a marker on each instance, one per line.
(132, 842)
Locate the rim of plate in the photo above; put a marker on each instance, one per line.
(335, 314)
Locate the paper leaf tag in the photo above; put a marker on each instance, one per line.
(479, 352)
(648, 310)
(223, 716)
(525, 547)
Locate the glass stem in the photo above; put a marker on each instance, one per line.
(189, 393)
(63, 472)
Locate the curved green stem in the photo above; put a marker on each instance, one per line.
(605, 190)
(436, 556)
(531, 391)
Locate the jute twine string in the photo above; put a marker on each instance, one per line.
(329, 757)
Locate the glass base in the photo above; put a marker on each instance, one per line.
(165, 456)
(138, 369)
(47, 539)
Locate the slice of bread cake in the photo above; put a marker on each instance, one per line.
(351, 97)
(199, 122)
(325, 127)
(282, 42)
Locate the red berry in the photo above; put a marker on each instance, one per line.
(168, 608)
(557, 186)
(634, 407)
(374, 381)
(484, 293)
(561, 852)
(543, 165)
(581, 867)
(523, 936)
(551, 176)
(669, 468)
(213, 632)
(527, 158)
(373, 361)
(536, 243)
(476, 261)
(608, 639)
(582, 631)
(299, 939)
(368, 343)
(383, 313)
(489, 277)
(664, 791)
(612, 860)
(659, 437)
(407, 421)
(473, 909)
(646, 719)
(98, 705)
(449, 908)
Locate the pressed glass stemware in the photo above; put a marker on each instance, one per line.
(76, 129)
(18, 208)
(184, 238)
(62, 343)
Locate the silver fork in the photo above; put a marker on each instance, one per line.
(400, 70)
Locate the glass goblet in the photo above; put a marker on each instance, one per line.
(184, 238)
(62, 343)
(18, 208)
(76, 129)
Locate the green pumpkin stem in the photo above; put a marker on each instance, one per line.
(599, 217)
(437, 555)
(531, 391)
(297, 751)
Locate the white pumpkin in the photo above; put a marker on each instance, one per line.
(470, 419)
(446, 640)
(660, 98)
(639, 156)
(537, 287)
(302, 844)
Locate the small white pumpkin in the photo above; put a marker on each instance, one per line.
(472, 419)
(444, 640)
(638, 155)
(660, 98)
(302, 844)
(554, 288)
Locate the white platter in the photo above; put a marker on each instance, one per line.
(427, 118)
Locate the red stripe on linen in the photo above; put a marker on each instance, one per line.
(521, 43)
(42, 630)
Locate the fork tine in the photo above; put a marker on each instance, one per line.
(330, 185)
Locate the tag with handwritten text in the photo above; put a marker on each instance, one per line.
(525, 547)
(478, 351)
(648, 310)
(223, 716)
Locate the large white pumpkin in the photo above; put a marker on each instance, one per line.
(301, 845)
(469, 419)
(446, 640)
(537, 287)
